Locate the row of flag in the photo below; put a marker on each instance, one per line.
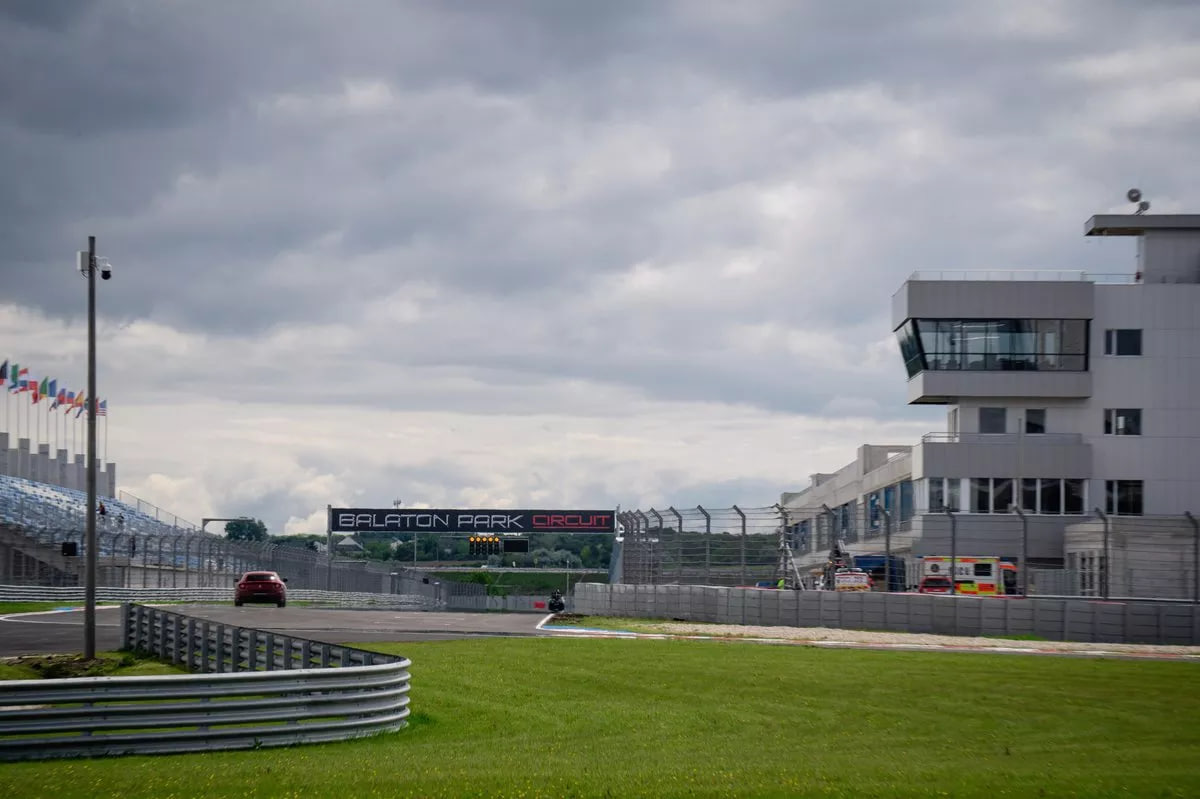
(16, 380)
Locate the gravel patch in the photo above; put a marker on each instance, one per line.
(912, 639)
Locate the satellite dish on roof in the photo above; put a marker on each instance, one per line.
(1133, 195)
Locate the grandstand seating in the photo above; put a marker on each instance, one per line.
(43, 506)
(37, 518)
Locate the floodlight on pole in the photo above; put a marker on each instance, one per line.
(88, 265)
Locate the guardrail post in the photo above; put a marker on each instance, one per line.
(162, 634)
(177, 642)
(270, 652)
(306, 654)
(220, 665)
(190, 652)
(126, 625)
(252, 650)
(205, 631)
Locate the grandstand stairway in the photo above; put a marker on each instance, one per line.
(24, 560)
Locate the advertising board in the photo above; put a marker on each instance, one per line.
(457, 520)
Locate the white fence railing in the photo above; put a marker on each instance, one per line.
(75, 594)
(255, 689)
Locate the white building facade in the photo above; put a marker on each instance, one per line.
(1072, 406)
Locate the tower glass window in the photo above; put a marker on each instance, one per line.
(1122, 342)
(1000, 345)
(992, 420)
(1122, 421)
(1123, 497)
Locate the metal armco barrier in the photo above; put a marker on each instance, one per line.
(255, 689)
(36, 593)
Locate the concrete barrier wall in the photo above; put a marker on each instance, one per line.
(1051, 619)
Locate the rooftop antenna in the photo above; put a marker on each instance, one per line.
(1135, 196)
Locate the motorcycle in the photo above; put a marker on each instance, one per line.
(557, 603)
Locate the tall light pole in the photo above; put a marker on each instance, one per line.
(89, 607)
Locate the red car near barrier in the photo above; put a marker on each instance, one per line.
(260, 586)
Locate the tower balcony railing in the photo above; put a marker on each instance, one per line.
(1028, 439)
(1048, 275)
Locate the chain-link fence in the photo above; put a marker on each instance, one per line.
(139, 545)
(152, 511)
(57, 557)
(1064, 555)
(723, 546)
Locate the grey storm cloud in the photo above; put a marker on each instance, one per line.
(520, 157)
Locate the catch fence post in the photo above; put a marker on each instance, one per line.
(643, 535)
(1024, 549)
(953, 556)
(653, 571)
(1105, 565)
(887, 550)
(743, 542)
(1195, 556)
(707, 542)
(679, 547)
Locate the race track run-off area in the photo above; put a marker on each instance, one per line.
(61, 631)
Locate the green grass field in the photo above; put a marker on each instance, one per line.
(107, 664)
(553, 717)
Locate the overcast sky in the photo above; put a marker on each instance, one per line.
(566, 254)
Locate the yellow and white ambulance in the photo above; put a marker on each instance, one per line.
(973, 575)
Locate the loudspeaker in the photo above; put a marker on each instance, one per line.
(70, 548)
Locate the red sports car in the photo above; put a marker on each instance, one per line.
(260, 586)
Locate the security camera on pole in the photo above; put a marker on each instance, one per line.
(88, 265)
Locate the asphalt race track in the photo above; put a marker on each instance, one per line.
(52, 633)
(57, 633)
